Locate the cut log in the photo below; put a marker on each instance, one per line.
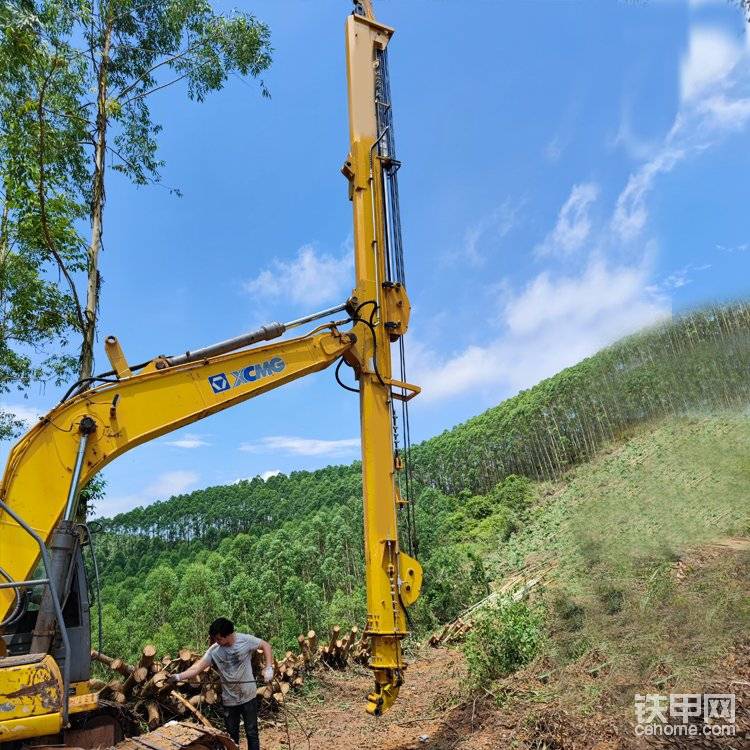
(155, 684)
(335, 630)
(312, 641)
(186, 658)
(137, 677)
(210, 696)
(198, 715)
(118, 665)
(147, 656)
(101, 658)
(153, 714)
(96, 685)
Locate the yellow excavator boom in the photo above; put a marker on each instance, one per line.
(115, 417)
(393, 578)
(110, 414)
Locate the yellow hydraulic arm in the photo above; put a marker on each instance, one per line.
(75, 440)
(381, 311)
(55, 459)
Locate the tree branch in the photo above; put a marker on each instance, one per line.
(145, 75)
(157, 88)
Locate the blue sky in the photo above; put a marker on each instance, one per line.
(572, 172)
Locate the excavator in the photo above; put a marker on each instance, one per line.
(45, 694)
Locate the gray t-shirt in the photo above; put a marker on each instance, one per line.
(234, 665)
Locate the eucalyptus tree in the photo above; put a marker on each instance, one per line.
(75, 103)
(43, 179)
(137, 48)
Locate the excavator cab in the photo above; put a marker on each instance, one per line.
(46, 643)
(31, 627)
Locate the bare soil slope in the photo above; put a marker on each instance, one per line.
(434, 712)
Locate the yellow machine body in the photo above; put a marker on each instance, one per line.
(31, 689)
(48, 466)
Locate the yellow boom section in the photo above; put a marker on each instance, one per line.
(393, 579)
(127, 413)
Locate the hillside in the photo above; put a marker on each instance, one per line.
(648, 548)
(285, 555)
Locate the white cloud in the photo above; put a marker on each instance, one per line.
(573, 223)
(714, 103)
(489, 229)
(710, 57)
(171, 483)
(551, 324)
(166, 485)
(679, 278)
(726, 114)
(303, 446)
(741, 248)
(23, 412)
(311, 278)
(188, 441)
(576, 300)
(634, 145)
(631, 211)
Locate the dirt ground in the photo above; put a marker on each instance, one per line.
(433, 711)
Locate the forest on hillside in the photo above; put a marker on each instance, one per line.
(285, 555)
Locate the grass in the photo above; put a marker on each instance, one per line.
(638, 591)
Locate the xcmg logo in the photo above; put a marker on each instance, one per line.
(221, 382)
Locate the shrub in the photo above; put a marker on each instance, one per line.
(454, 580)
(515, 492)
(505, 637)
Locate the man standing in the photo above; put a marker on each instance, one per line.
(231, 656)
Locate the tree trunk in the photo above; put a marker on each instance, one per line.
(97, 212)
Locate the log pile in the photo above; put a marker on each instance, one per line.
(340, 649)
(452, 632)
(143, 688)
(513, 589)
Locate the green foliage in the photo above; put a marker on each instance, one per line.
(455, 579)
(285, 555)
(505, 637)
(699, 361)
(514, 492)
(42, 179)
